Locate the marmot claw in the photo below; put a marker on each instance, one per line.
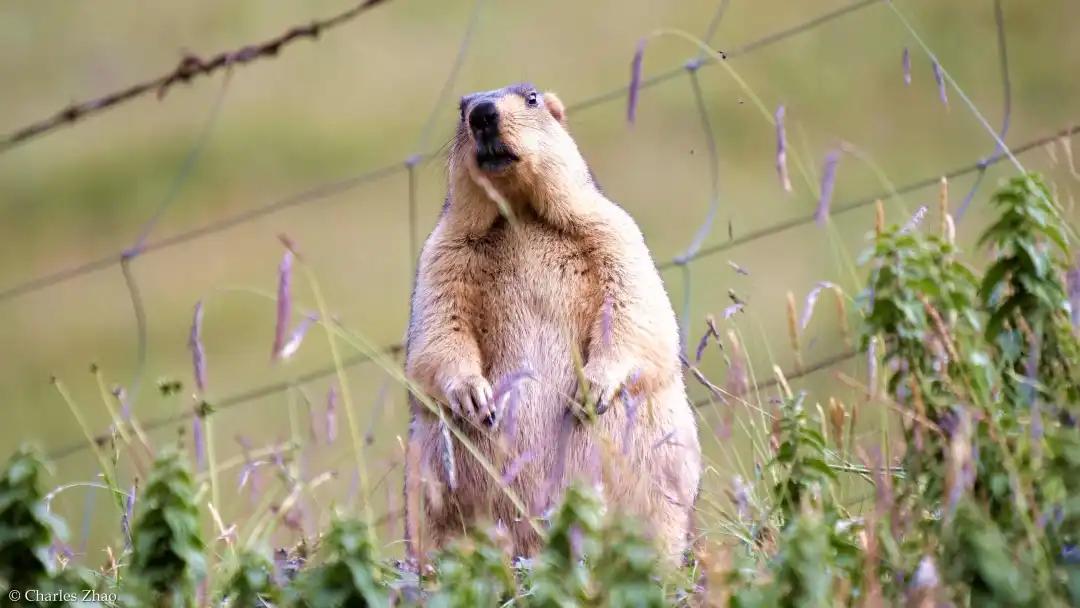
(470, 397)
(601, 391)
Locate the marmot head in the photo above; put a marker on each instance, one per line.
(511, 130)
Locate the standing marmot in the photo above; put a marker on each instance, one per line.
(560, 274)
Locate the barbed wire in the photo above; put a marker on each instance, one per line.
(326, 190)
(695, 251)
(190, 67)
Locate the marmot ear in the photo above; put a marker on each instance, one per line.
(555, 106)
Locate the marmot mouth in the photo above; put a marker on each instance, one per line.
(494, 156)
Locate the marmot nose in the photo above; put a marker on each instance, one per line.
(484, 119)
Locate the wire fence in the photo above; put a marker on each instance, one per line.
(191, 67)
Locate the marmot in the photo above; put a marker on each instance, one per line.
(530, 275)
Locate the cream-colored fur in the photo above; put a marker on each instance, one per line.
(569, 273)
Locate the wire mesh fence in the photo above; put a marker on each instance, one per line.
(193, 66)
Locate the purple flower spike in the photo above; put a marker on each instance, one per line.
(289, 349)
(711, 333)
(198, 353)
(635, 82)
(811, 301)
(516, 465)
(284, 303)
(781, 150)
(127, 517)
(871, 367)
(730, 311)
(331, 415)
(1072, 282)
(939, 76)
(915, 220)
(828, 182)
(508, 390)
(906, 61)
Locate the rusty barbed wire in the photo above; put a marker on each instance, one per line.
(190, 67)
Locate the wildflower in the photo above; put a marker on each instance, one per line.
(872, 366)
(635, 81)
(284, 303)
(915, 220)
(811, 301)
(508, 388)
(740, 496)
(198, 353)
(127, 517)
(781, 150)
(905, 60)
(709, 333)
(939, 76)
(828, 182)
(730, 311)
(448, 455)
(516, 465)
(289, 348)
(1072, 282)
(331, 415)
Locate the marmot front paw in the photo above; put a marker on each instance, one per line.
(470, 397)
(601, 388)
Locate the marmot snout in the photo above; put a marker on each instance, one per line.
(530, 272)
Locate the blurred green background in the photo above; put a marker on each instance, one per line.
(358, 99)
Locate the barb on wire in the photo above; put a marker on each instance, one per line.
(325, 190)
(190, 67)
(1006, 91)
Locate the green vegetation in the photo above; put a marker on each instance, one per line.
(976, 502)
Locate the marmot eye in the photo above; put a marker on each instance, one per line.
(531, 99)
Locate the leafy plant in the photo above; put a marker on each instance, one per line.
(251, 581)
(474, 571)
(167, 556)
(29, 535)
(349, 575)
